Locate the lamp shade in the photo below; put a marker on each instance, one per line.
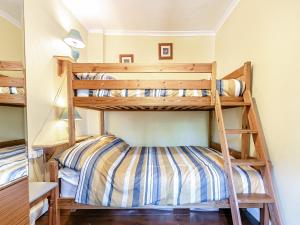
(64, 115)
(74, 39)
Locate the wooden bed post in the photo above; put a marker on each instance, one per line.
(210, 128)
(247, 74)
(213, 100)
(71, 109)
(102, 123)
(213, 82)
(53, 170)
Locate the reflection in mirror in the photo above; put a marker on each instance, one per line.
(13, 153)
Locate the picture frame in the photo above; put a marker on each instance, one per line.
(126, 58)
(165, 51)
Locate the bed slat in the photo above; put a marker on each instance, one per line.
(142, 84)
(11, 82)
(12, 100)
(141, 101)
(142, 68)
(11, 66)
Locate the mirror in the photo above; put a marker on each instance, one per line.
(13, 150)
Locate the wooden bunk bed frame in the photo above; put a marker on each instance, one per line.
(214, 103)
(5, 81)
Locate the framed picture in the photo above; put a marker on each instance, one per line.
(165, 51)
(126, 58)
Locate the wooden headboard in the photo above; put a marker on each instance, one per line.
(53, 149)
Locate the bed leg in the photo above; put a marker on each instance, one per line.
(52, 207)
(53, 169)
(264, 215)
(57, 217)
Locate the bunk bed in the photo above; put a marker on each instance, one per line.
(13, 163)
(108, 95)
(12, 89)
(13, 156)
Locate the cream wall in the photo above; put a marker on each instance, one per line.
(145, 48)
(94, 55)
(11, 41)
(12, 123)
(95, 47)
(11, 49)
(159, 128)
(46, 24)
(268, 34)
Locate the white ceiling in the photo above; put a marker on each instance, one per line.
(12, 10)
(152, 16)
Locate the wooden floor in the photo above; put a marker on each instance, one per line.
(145, 217)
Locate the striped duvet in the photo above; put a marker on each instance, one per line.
(115, 175)
(13, 163)
(232, 87)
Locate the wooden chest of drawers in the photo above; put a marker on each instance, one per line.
(14, 203)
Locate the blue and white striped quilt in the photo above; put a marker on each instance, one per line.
(116, 175)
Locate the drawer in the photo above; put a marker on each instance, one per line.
(14, 203)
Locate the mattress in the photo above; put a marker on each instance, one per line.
(158, 176)
(13, 163)
(231, 87)
(12, 90)
(69, 182)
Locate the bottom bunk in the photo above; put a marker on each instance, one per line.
(106, 172)
(13, 163)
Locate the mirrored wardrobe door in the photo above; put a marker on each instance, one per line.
(14, 197)
(13, 151)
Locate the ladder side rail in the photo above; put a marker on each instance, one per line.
(258, 137)
(261, 149)
(245, 145)
(236, 217)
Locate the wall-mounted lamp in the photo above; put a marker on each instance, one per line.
(64, 115)
(75, 41)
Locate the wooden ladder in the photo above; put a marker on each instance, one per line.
(251, 126)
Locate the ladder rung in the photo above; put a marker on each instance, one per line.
(240, 131)
(247, 162)
(254, 198)
(235, 103)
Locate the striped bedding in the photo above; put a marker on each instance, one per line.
(12, 90)
(114, 174)
(13, 163)
(232, 87)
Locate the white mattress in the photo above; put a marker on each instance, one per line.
(37, 211)
(69, 182)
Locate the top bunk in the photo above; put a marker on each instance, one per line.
(12, 88)
(93, 86)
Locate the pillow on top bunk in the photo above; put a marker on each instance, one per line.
(94, 76)
(232, 87)
(91, 76)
